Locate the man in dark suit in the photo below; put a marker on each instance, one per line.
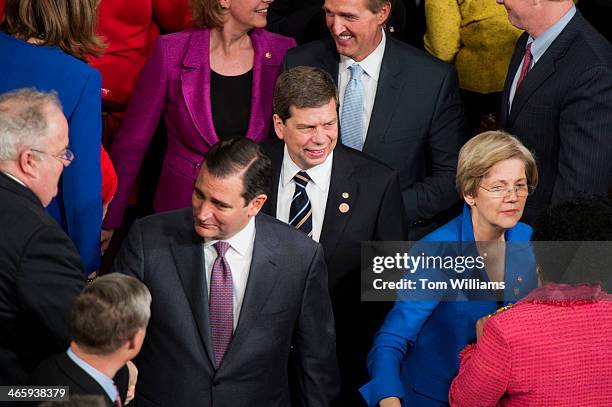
(351, 198)
(558, 100)
(232, 292)
(40, 270)
(397, 104)
(108, 325)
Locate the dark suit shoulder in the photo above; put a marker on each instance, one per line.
(591, 45)
(310, 53)
(411, 56)
(171, 220)
(287, 235)
(362, 160)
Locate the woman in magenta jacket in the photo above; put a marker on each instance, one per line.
(210, 82)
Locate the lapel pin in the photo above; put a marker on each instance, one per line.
(268, 55)
(344, 208)
(345, 195)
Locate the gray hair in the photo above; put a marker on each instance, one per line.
(24, 120)
(108, 313)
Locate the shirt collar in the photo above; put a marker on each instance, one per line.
(103, 380)
(11, 176)
(371, 64)
(544, 40)
(319, 174)
(241, 241)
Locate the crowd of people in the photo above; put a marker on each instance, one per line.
(245, 286)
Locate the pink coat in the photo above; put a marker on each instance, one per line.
(176, 82)
(549, 350)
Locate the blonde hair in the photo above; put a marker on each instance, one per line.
(482, 152)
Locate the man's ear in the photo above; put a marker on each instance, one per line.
(383, 14)
(134, 343)
(278, 126)
(256, 204)
(28, 163)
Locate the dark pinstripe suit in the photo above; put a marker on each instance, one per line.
(563, 113)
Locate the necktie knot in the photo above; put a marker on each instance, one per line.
(301, 179)
(356, 71)
(221, 248)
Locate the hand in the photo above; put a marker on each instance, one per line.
(105, 238)
(480, 325)
(131, 392)
(390, 402)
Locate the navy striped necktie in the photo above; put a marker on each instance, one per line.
(300, 214)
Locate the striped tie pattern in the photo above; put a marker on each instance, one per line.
(300, 213)
(221, 303)
(352, 118)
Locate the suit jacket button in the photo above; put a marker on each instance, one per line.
(216, 383)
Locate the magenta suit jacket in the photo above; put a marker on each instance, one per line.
(176, 81)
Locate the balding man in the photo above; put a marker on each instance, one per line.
(40, 269)
(558, 100)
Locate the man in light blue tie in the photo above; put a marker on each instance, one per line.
(397, 104)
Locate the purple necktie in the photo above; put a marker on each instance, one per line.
(221, 303)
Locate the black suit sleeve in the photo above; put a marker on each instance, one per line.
(585, 131)
(391, 223)
(436, 192)
(315, 339)
(50, 279)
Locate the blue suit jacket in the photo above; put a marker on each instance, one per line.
(415, 354)
(78, 205)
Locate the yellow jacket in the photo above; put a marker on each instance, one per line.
(475, 36)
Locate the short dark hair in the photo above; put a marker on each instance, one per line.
(108, 313)
(567, 254)
(240, 154)
(303, 87)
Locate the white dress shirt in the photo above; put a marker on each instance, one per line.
(317, 190)
(239, 256)
(371, 67)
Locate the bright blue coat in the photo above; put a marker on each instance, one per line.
(78, 206)
(415, 354)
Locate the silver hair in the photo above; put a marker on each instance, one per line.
(24, 120)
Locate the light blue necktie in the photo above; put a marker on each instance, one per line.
(352, 118)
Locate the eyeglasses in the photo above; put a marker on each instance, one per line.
(65, 158)
(502, 191)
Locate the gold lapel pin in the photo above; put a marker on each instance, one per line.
(344, 208)
(345, 195)
(268, 55)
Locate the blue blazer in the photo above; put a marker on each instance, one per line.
(415, 354)
(78, 205)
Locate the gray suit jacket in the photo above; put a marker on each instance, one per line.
(417, 124)
(286, 304)
(563, 113)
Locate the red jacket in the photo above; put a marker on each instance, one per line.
(549, 350)
(129, 29)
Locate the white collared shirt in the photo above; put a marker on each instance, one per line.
(14, 178)
(317, 190)
(239, 256)
(371, 67)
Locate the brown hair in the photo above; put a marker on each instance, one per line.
(302, 87)
(109, 312)
(375, 5)
(482, 152)
(67, 24)
(207, 13)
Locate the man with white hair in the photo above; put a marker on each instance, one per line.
(40, 269)
(558, 100)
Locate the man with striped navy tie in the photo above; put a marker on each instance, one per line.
(339, 197)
